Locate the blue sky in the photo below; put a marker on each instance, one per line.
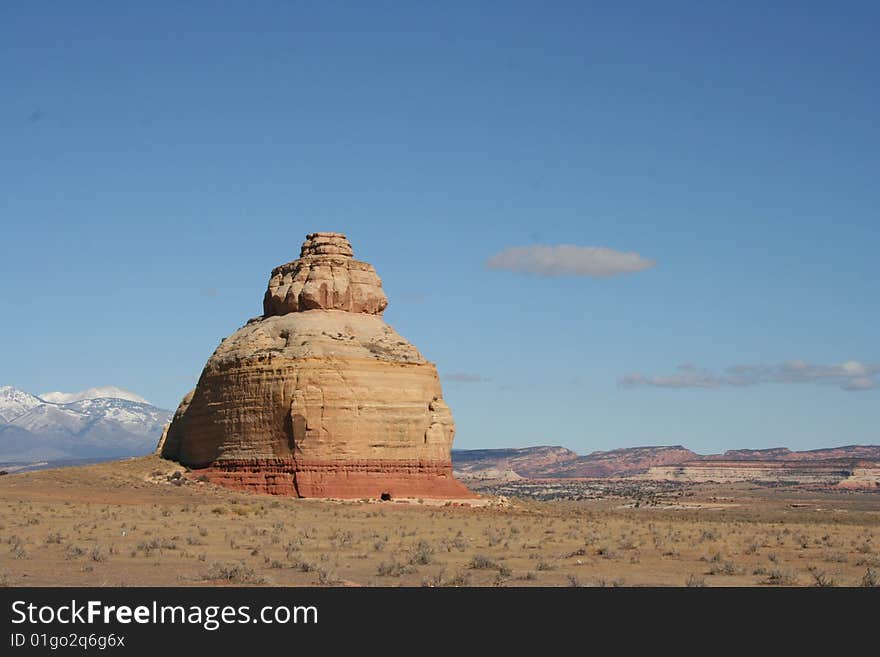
(158, 159)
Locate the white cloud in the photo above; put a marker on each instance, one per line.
(860, 383)
(568, 260)
(686, 376)
(851, 375)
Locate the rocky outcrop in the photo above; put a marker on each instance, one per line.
(319, 397)
(325, 277)
(522, 462)
(831, 473)
(863, 476)
(770, 454)
(174, 447)
(853, 466)
(869, 452)
(558, 462)
(620, 462)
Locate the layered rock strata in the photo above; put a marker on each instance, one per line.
(325, 277)
(823, 474)
(319, 397)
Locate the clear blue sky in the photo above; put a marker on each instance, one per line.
(158, 159)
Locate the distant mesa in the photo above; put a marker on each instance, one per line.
(851, 466)
(319, 397)
(547, 462)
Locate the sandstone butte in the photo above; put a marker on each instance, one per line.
(319, 397)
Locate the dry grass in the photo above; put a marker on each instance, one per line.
(130, 523)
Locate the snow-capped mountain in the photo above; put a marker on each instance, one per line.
(104, 392)
(15, 402)
(89, 425)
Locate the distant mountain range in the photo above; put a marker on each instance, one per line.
(109, 422)
(558, 462)
(99, 422)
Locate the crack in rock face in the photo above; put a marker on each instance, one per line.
(319, 397)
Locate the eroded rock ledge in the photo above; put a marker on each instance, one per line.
(325, 277)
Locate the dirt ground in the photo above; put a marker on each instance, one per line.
(130, 523)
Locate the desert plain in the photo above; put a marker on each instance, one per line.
(148, 522)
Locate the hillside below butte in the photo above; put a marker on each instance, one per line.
(852, 466)
(319, 397)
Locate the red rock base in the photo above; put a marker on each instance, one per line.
(266, 476)
(349, 479)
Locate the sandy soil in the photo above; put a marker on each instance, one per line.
(132, 523)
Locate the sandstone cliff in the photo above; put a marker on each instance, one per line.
(319, 397)
(831, 473)
(869, 452)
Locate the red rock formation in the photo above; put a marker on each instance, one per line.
(522, 462)
(319, 397)
(853, 466)
(558, 462)
(350, 479)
